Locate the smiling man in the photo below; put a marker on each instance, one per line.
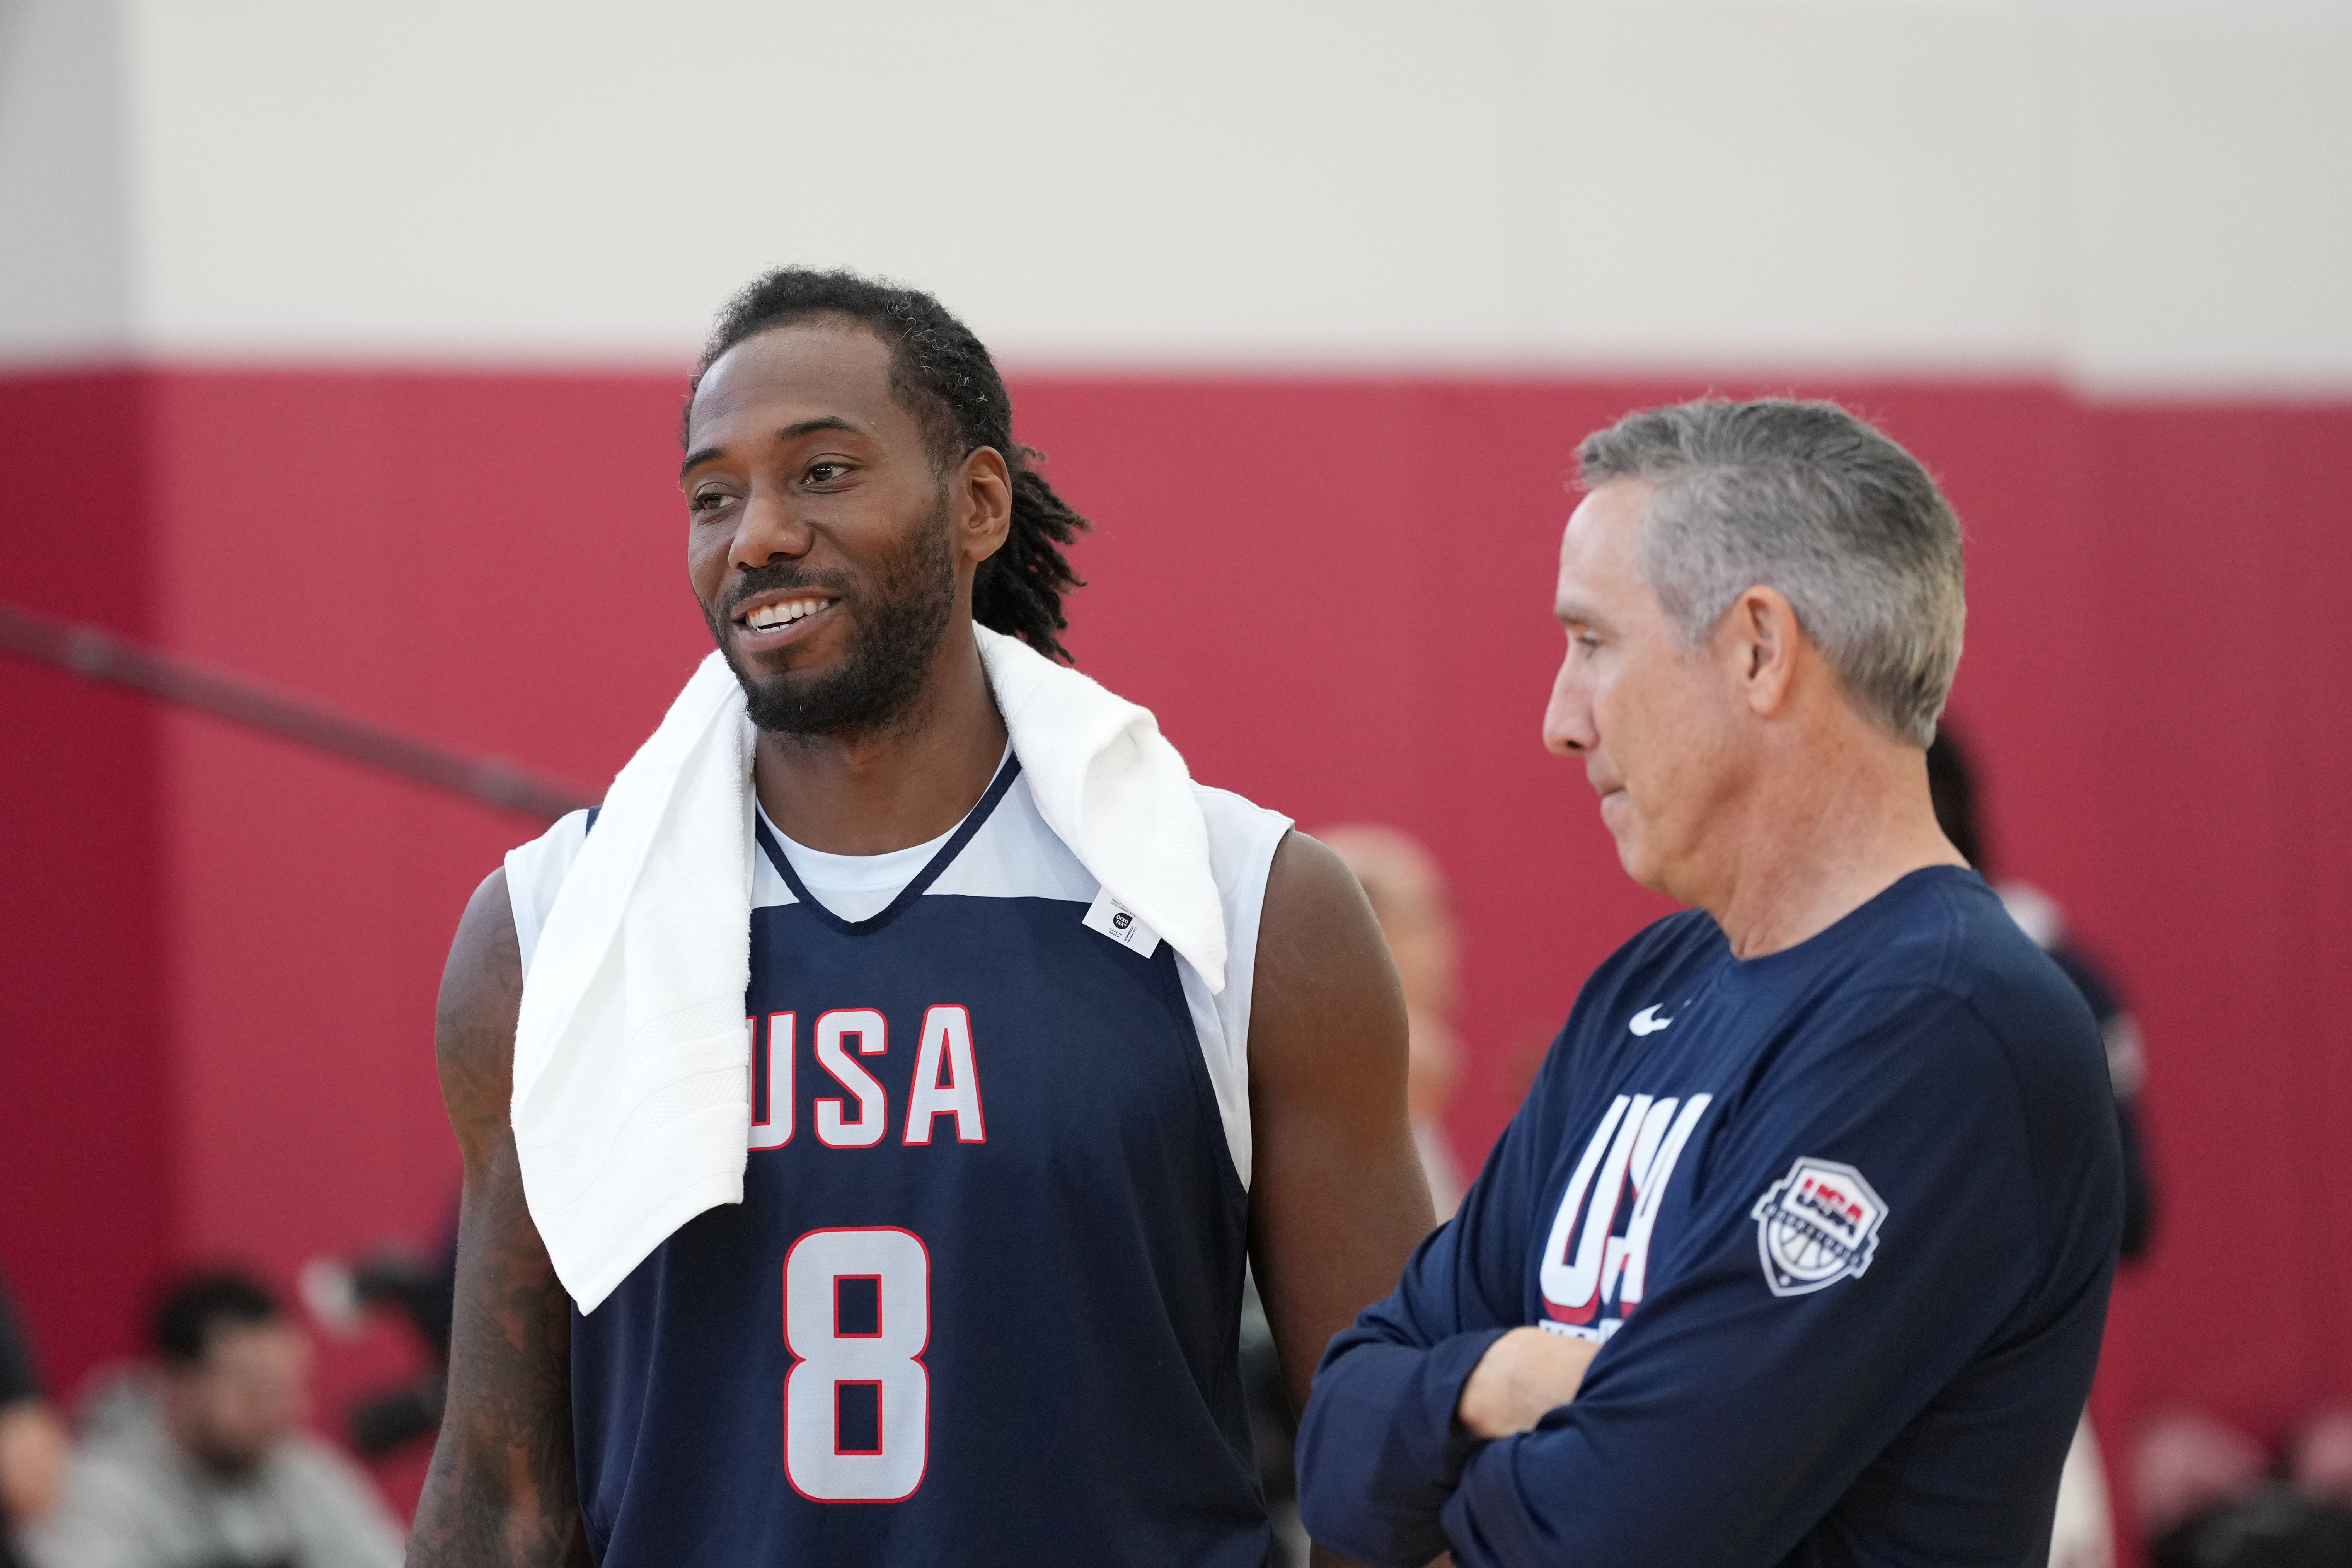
(995, 1153)
(1799, 1250)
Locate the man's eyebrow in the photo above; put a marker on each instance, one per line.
(1579, 615)
(789, 433)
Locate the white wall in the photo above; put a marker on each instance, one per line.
(2148, 195)
(66, 254)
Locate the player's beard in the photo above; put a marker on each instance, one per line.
(902, 611)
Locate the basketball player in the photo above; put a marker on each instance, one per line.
(997, 1157)
(1799, 1250)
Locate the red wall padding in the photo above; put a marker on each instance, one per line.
(87, 1138)
(223, 952)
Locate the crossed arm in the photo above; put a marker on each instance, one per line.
(1339, 1199)
(500, 1493)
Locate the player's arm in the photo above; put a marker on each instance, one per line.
(1338, 1199)
(500, 1493)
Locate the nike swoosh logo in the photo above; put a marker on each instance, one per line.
(1647, 1021)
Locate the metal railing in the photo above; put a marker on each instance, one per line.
(98, 655)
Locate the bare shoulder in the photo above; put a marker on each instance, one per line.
(474, 1021)
(1322, 966)
(1308, 880)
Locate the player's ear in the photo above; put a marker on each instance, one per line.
(980, 503)
(1763, 639)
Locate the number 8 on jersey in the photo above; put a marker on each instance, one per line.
(857, 1313)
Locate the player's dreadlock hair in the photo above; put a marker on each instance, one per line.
(945, 378)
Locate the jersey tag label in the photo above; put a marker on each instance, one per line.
(1119, 923)
(1816, 1226)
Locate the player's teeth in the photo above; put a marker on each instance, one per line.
(770, 616)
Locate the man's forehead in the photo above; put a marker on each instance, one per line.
(795, 375)
(1611, 510)
(235, 1343)
(1596, 550)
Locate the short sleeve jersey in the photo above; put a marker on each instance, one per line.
(1844, 1218)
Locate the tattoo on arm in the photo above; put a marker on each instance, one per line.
(501, 1492)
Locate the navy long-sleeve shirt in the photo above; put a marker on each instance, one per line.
(1844, 1219)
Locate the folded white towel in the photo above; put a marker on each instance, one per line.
(632, 1082)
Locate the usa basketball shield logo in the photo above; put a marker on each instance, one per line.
(1816, 1226)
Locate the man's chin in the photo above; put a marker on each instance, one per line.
(784, 704)
(769, 690)
(1644, 876)
(1631, 852)
(839, 702)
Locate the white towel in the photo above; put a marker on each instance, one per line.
(632, 1061)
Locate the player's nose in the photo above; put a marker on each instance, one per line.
(769, 526)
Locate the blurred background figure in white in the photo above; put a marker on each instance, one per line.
(197, 1459)
(2083, 1534)
(2210, 1496)
(1952, 782)
(419, 1288)
(1408, 896)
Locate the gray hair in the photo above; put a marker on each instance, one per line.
(1807, 499)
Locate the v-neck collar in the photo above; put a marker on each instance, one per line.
(938, 863)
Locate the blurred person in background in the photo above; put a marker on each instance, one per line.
(1408, 896)
(2210, 1496)
(1951, 783)
(417, 1289)
(199, 1461)
(32, 1438)
(2081, 1535)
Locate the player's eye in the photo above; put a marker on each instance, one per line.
(823, 473)
(707, 500)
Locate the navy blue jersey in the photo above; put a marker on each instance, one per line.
(979, 1304)
(1844, 1219)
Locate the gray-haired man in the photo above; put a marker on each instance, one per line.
(1799, 1250)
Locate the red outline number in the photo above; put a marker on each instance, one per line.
(825, 1359)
